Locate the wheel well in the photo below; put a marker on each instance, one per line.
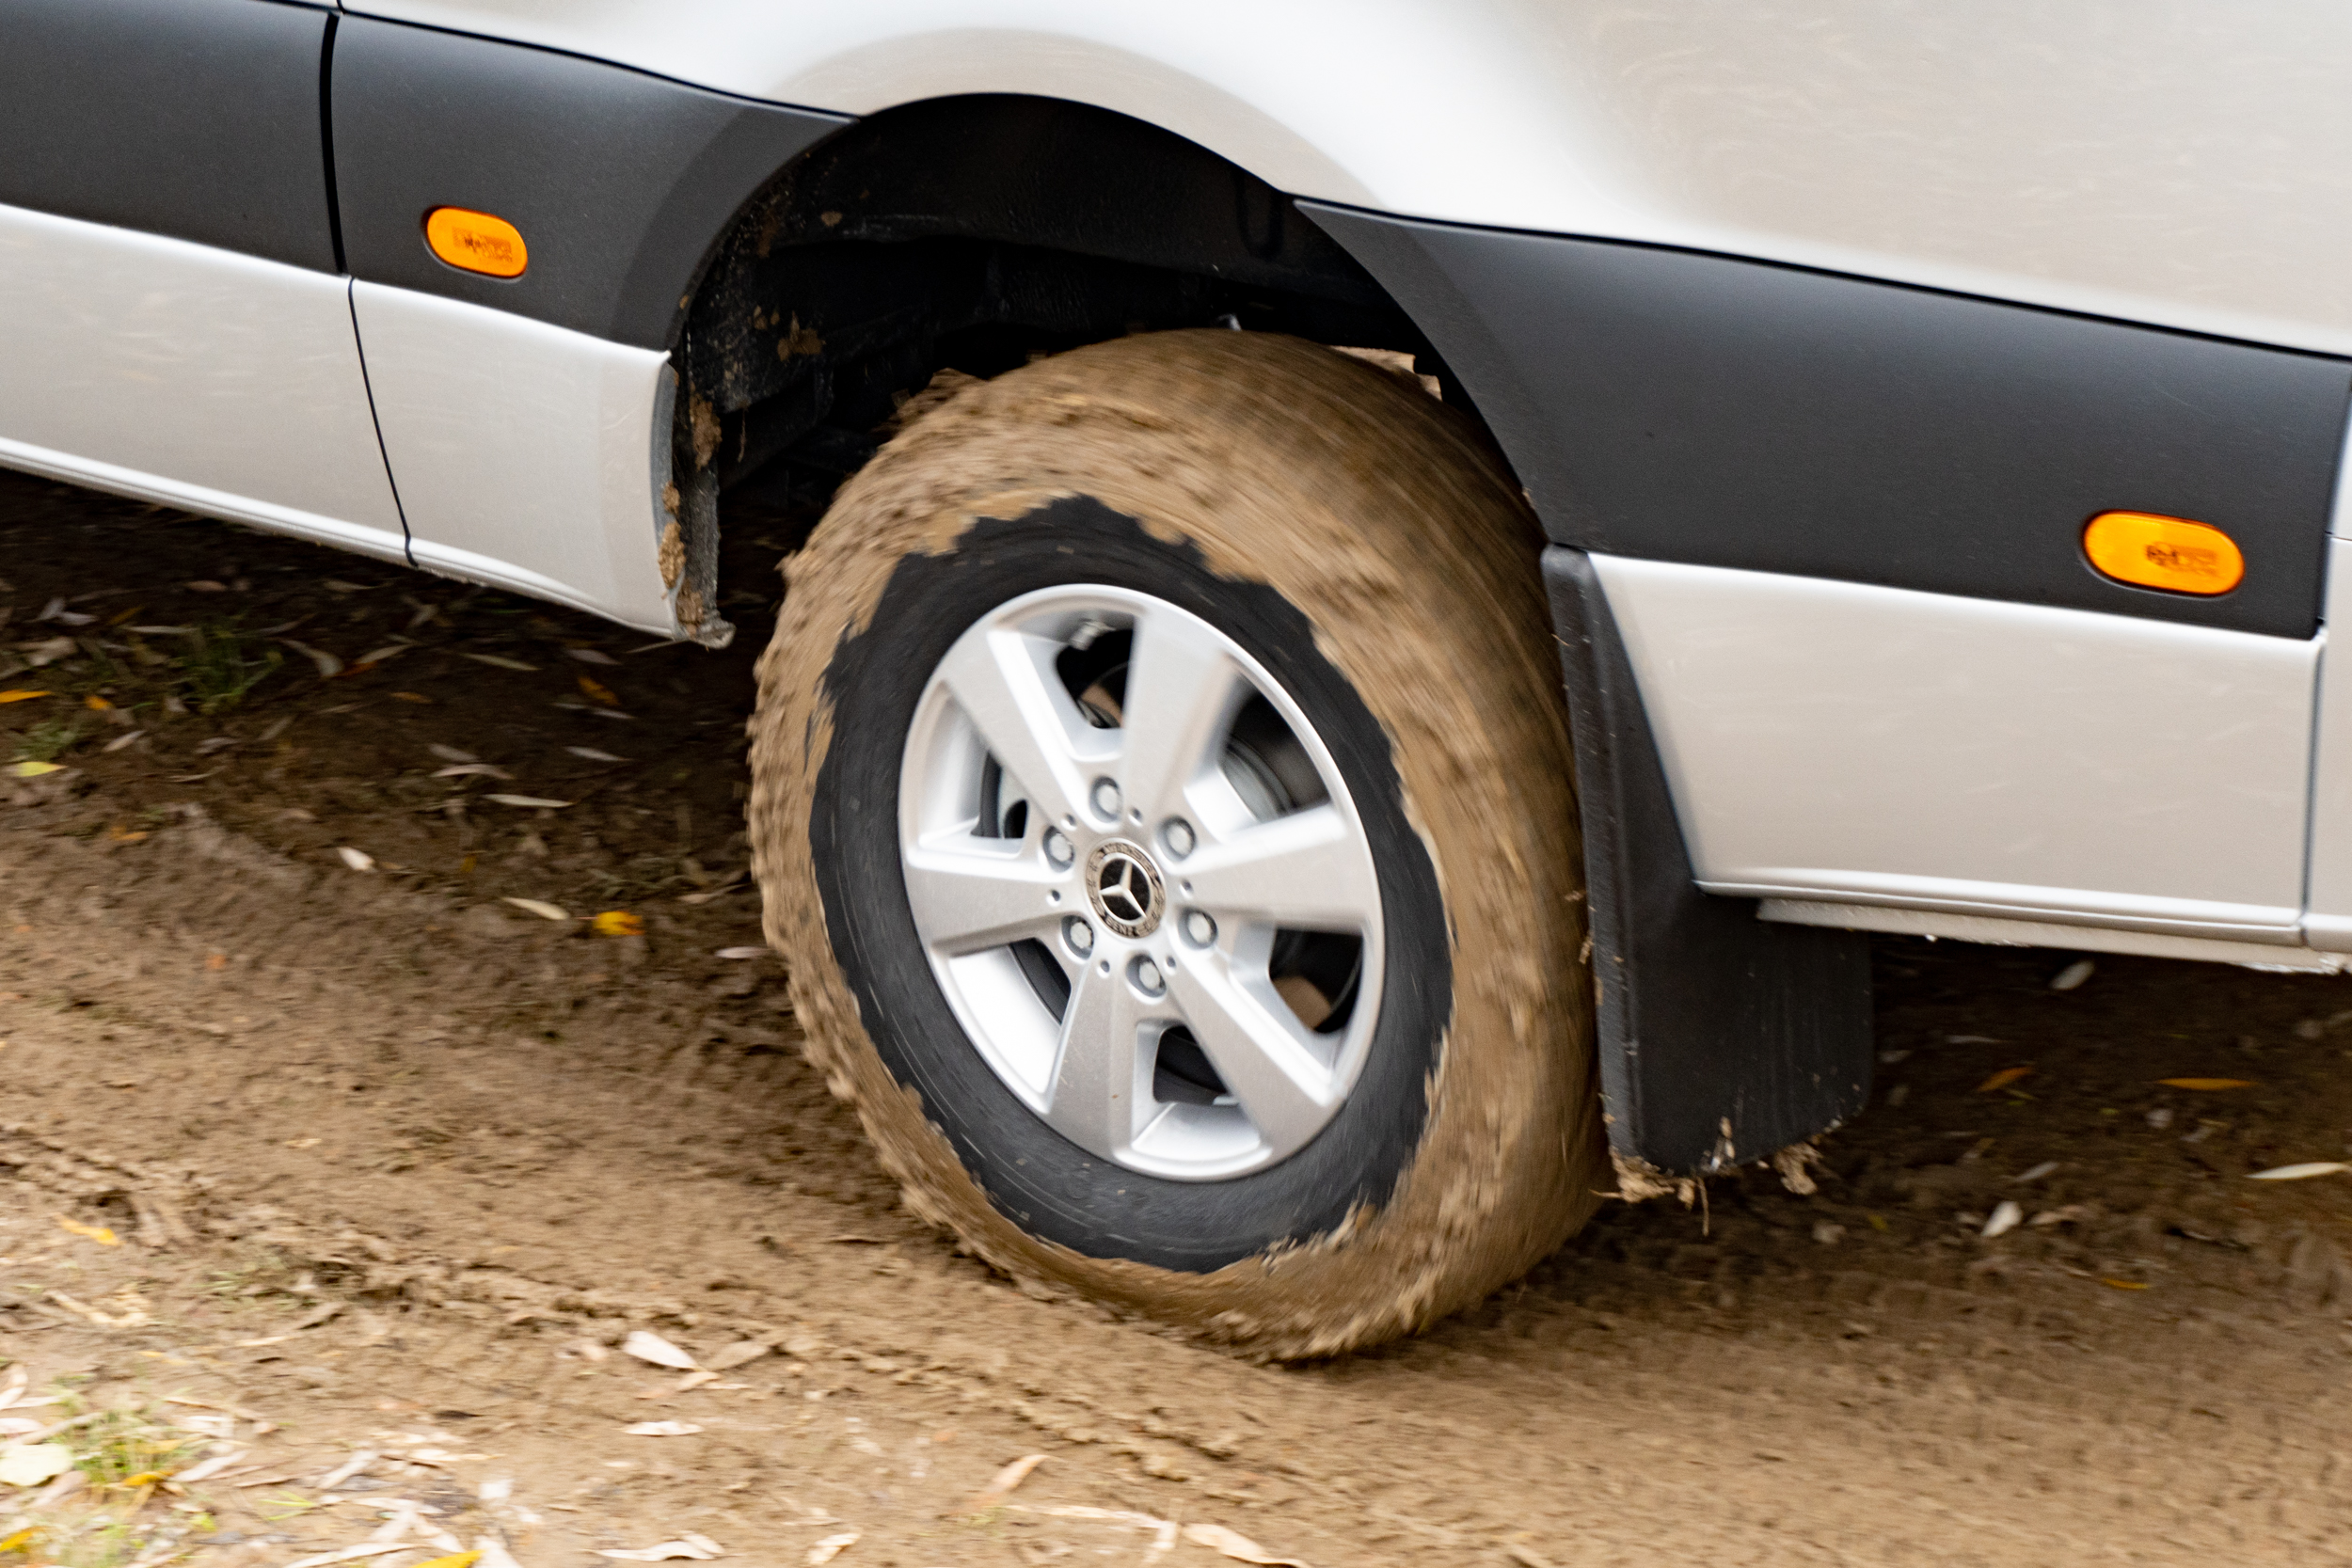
(975, 233)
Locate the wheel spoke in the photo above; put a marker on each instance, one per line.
(1026, 720)
(1282, 1088)
(966, 899)
(1095, 1093)
(1307, 871)
(1182, 689)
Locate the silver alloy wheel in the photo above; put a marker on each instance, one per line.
(1152, 854)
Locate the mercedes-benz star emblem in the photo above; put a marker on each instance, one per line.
(1124, 888)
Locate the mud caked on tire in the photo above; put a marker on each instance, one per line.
(1161, 794)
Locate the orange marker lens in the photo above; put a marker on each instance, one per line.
(2171, 553)
(476, 242)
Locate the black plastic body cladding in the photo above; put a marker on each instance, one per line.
(621, 182)
(1689, 407)
(1721, 1037)
(193, 118)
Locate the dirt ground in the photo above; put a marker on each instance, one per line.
(301, 1163)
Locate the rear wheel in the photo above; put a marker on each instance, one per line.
(1161, 795)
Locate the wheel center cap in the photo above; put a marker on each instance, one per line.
(1124, 888)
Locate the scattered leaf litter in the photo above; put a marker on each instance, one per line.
(528, 802)
(2003, 1079)
(2007, 1216)
(2302, 1172)
(500, 661)
(2207, 1086)
(831, 1546)
(358, 860)
(619, 923)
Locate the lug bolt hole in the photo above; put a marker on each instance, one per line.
(1199, 929)
(1179, 837)
(1058, 848)
(1079, 935)
(1147, 977)
(1105, 798)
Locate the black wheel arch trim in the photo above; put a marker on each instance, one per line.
(1687, 406)
(622, 182)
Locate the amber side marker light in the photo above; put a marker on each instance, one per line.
(476, 242)
(2171, 553)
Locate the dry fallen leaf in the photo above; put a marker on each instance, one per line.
(597, 692)
(451, 753)
(30, 770)
(533, 906)
(31, 1463)
(664, 1428)
(2007, 1217)
(593, 754)
(473, 770)
(693, 1548)
(654, 1348)
(2003, 1079)
(1000, 1486)
(2125, 1284)
(327, 664)
(358, 860)
(455, 1560)
(2207, 1085)
(345, 1472)
(22, 695)
(742, 952)
(2073, 975)
(620, 923)
(2300, 1173)
(499, 662)
(728, 1357)
(591, 656)
(97, 1233)
(1236, 1545)
(832, 1546)
(529, 802)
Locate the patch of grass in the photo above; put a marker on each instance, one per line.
(48, 740)
(221, 665)
(122, 1449)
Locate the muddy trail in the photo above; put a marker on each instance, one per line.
(374, 1161)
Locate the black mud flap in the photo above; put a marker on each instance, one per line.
(1723, 1038)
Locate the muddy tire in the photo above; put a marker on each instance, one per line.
(1371, 691)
